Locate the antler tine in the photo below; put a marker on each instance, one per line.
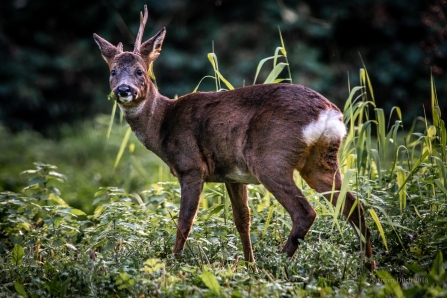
(143, 20)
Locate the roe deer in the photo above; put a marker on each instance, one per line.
(250, 135)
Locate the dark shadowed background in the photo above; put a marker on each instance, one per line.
(51, 71)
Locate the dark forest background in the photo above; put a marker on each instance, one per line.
(52, 73)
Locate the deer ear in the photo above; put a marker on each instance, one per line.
(108, 51)
(151, 48)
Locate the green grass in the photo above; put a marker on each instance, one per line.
(90, 229)
(85, 155)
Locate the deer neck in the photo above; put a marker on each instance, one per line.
(145, 118)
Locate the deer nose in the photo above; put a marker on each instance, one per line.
(123, 91)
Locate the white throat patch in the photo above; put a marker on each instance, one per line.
(131, 112)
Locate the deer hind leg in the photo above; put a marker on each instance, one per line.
(292, 199)
(320, 172)
(239, 202)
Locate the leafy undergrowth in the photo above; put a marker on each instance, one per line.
(123, 248)
(48, 248)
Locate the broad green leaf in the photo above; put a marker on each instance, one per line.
(391, 284)
(60, 177)
(57, 199)
(78, 212)
(211, 282)
(71, 246)
(437, 268)
(29, 172)
(99, 210)
(20, 289)
(37, 180)
(415, 268)
(17, 255)
(216, 209)
(152, 265)
(23, 225)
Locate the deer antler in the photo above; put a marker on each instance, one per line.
(143, 20)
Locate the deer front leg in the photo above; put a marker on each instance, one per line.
(239, 202)
(191, 188)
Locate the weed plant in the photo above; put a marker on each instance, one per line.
(49, 246)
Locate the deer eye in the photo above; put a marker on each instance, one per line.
(113, 73)
(139, 72)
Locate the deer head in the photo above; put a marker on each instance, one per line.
(129, 78)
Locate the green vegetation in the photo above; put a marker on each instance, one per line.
(109, 232)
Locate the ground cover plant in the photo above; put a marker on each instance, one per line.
(121, 246)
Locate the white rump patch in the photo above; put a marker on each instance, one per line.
(329, 125)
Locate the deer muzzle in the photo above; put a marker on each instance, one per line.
(125, 93)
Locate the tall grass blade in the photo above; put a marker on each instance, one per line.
(260, 64)
(152, 74)
(441, 187)
(269, 218)
(229, 86)
(413, 170)
(122, 147)
(441, 169)
(226, 204)
(379, 227)
(365, 80)
(275, 73)
(112, 116)
(443, 139)
(284, 52)
(381, 135)
(350, 101)
(200, 82)
(213, 59)
(275, 57)
(339, 206)
(375, 156)
(434, 101)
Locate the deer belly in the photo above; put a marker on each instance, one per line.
(239, 176)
